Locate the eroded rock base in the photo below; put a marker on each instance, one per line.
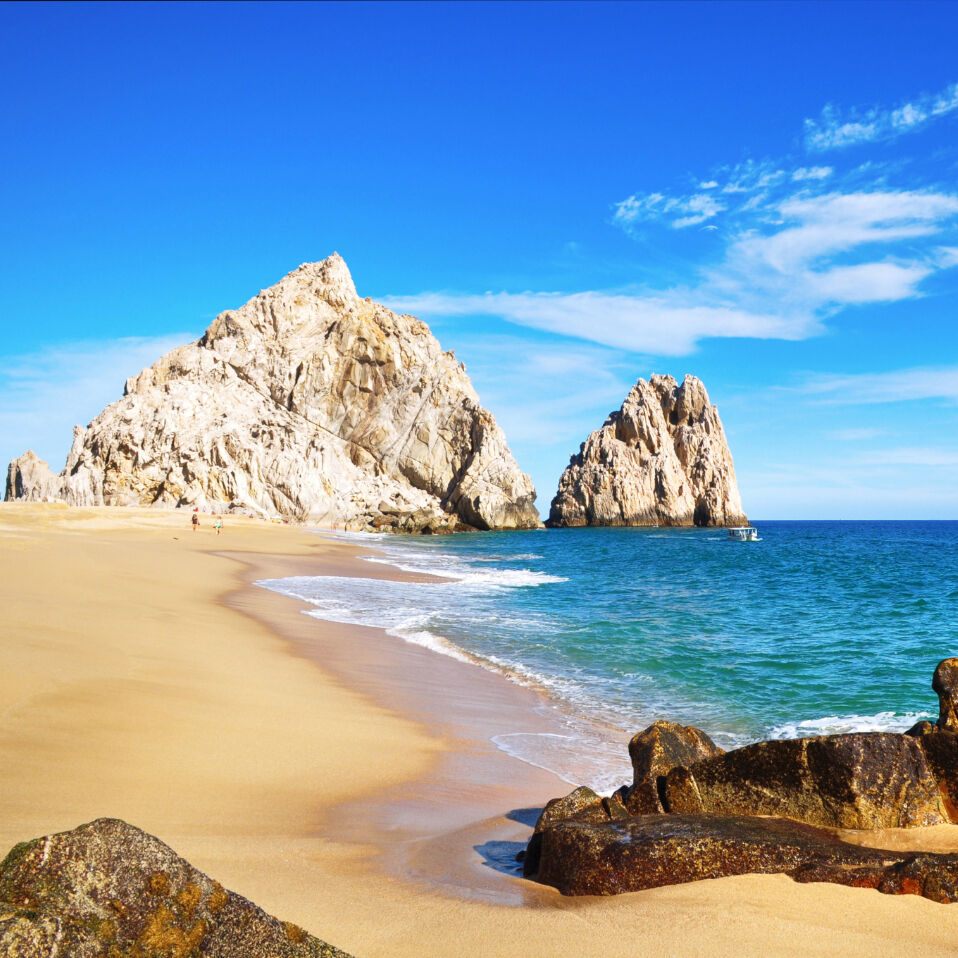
(648, 851)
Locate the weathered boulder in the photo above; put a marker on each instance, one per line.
(107, 889)
(30, 479)
(307, 402)
(581, 858)
(859, 780)
(662, 459)
(654, 753)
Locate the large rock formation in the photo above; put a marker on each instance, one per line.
(107, 889)
(308, 402)
(660, 460)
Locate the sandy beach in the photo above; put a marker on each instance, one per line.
(338, 777)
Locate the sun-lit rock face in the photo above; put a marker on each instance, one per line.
(662, 459)
(308, 402)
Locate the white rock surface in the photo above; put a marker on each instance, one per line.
(308, 402)
(662, 459)
(29, 478)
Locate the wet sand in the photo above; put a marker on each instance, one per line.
(339, 777)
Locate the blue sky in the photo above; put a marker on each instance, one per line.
(571, 195)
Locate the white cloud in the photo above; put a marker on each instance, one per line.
(811, 173)
(946, 256)
(662, 325)
(833, 130)
(912, 456)
(785, 266)
(898, 385)
(867, 282)
(656, 206)
(791, 244)
(44, 394)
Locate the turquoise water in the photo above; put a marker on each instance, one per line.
(819, 627)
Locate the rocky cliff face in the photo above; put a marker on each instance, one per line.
(308, 402)
(661, 459)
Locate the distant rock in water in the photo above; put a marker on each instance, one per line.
(109, 889)
(308, 402)
(660, 460)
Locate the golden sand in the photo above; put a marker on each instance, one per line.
(141, 678)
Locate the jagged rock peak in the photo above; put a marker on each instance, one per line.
(307, 402)
(662, 459)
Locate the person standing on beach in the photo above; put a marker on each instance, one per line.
(196, 521)
(218, 525)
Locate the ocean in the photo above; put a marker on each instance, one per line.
(819, 627)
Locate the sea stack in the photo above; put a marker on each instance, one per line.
(660, 460)
(309, 403)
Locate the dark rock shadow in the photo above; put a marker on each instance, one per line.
(501, 856)
(506, 857)
(525, 816)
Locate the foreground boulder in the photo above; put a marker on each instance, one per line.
(308, 402)
(583, 858)
(107, 889)
(660, 460)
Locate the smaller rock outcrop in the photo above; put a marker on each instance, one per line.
(660, 460)
(30, 479)
(107, 889)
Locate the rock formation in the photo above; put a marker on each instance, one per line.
(29, 479)
(694, 811)
(308, 402)
(660, 460)
(585, 858)
(857, 780)
(107, 889)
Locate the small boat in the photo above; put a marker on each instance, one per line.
(743, 534)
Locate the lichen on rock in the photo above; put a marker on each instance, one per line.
(109, 890)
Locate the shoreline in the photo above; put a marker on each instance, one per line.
(461, 705)
(131, 688)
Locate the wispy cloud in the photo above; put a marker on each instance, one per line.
(927, 456)
(853, 435)
(899, 385)
(835, 129)
(44, 394)
(662, 325)
(678, 211)
(790, 244)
